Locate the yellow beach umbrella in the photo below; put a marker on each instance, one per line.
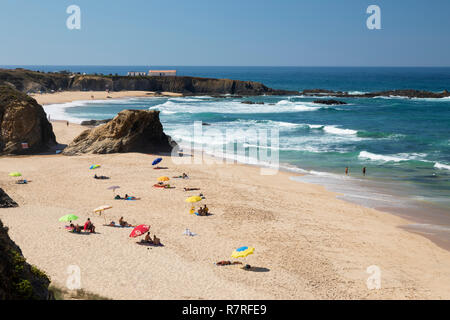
(193, 199)
(242, 252)
(102, 209)
(162, 179)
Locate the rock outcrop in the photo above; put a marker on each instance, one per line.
(129, 131)
(408, 93)
(329, 102)
(18, 279)
(94, 122)
(23, 121)
(6, 201)
(32, 81)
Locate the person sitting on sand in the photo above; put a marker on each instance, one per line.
(185, 176)
(147, 238)
(200, 211)
(156, 241)
(89, 226)
(123, 223)
(117, 197)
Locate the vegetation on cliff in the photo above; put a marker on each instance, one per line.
(18, 279)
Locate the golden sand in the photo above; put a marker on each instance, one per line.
(309, 245)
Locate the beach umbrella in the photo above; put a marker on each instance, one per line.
(94, 166)
(15, 174)
(139, 230)
(113, 188)
(242, 252)
(68, 217)
(156, 161)
(193, 199)
(162, 179)
(102, 209)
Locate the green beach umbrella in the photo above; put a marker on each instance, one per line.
(15, 174)
(68, 217)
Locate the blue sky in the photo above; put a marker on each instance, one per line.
(225, 33)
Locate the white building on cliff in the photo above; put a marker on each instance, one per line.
(162, 73)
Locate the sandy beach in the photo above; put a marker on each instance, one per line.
(309, 245)
(68, 96)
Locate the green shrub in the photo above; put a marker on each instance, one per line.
(24, 290)
(39, 273)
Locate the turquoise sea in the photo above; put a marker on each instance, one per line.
(404, 143)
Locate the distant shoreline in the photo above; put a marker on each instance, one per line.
(71, 96)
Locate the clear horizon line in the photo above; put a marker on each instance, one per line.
(230, 66)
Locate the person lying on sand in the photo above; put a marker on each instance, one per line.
(226, 263)
(100, 177)
(191, 189)
(75, 228)
(118, 197)
(22, 181)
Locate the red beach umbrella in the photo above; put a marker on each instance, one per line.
(139, 230)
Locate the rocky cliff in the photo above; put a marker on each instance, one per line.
(23, 120)
(129, 131)
(26, 81)
(18, 279)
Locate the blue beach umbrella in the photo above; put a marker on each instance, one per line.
(156, 161)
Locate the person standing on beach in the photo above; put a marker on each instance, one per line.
(67, 123)
(364, 171)
(346, 171)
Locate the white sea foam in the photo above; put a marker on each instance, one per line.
(339, 131)
(438, 165)
(379, 157)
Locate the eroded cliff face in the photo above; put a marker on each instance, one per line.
(23, 120)
(129, 131)
(18, 279)
(26, 80)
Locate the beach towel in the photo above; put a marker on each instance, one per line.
(117, 226)
(148, 244)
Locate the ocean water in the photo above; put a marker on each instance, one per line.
(403, 143)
